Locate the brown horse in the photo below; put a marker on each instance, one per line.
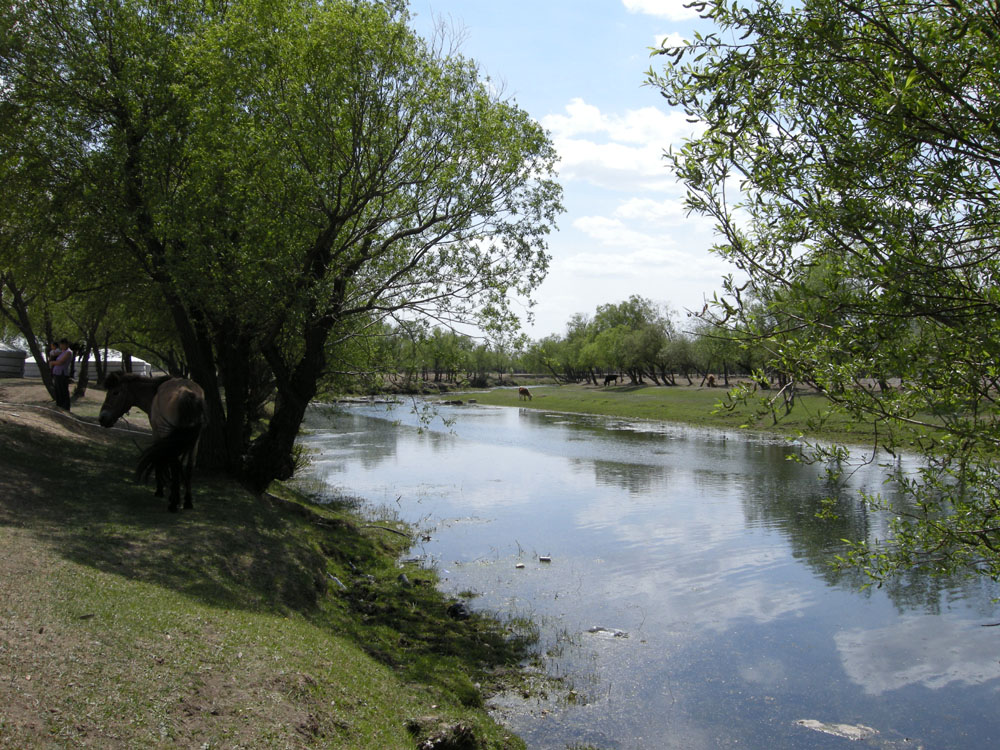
(176, 409)
(523, 394)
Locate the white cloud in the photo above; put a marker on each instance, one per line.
(669, 212)
(623, 250)
(672, 9)
(669, 40)
(610, 165)
(613, 233)
(619, 151)
(646, 125)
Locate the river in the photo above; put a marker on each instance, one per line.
(685, 596)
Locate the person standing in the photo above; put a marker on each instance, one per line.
(61, 361)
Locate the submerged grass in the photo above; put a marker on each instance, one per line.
(247, 622)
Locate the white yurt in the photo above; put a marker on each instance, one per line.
(12, 362)
(17, 362)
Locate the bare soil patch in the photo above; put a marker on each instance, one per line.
(25, 402)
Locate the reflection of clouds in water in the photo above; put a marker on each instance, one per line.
(681, 516)
(699, 572)
(931, 651)
(722, 607)
(705, 549)
(767, 672)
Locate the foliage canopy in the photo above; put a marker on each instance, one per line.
(264, 183)
(850, 161)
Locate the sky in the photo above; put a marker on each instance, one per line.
(578, 67)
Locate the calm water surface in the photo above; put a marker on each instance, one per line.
(689, 601)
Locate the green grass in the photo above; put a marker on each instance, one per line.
(704, 407)
(127, 626)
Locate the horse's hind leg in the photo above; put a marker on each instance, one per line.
(173, 470)
(186, 467)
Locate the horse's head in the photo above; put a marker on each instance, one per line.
(117, 401)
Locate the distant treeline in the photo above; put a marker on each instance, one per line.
(636, 341)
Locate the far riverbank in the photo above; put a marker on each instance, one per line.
(811, 418)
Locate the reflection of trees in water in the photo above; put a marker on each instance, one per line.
(781, 499)
(776, 493)
(377, 441)
(594, 429)
(636, 479)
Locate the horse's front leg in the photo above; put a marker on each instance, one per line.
(160, 479)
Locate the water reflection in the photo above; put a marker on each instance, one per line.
(929, 651)
(636, 479)
(705, 549)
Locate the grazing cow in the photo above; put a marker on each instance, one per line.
(523, 394)
(610, 379)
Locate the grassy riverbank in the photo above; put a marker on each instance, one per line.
(247, 622)
(692, 405)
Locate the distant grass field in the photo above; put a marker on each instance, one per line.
(705, 407)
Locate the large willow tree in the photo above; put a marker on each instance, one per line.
(851, 160)
(279, 178)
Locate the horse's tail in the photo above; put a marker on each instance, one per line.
(191, 410)
(180, 442)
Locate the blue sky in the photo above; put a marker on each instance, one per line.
(578, 67)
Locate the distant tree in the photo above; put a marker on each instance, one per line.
(677, 356)
(861, 139)
(631, 335)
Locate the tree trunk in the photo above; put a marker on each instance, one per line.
(83, 376)
(272, 455)
(234, 372)
(18, 315)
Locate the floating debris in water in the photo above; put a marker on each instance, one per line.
(607, 632)
(847, 731)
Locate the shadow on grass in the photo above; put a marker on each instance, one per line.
(80, 497)
(235, 551)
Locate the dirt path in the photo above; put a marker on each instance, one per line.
(25, 402)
